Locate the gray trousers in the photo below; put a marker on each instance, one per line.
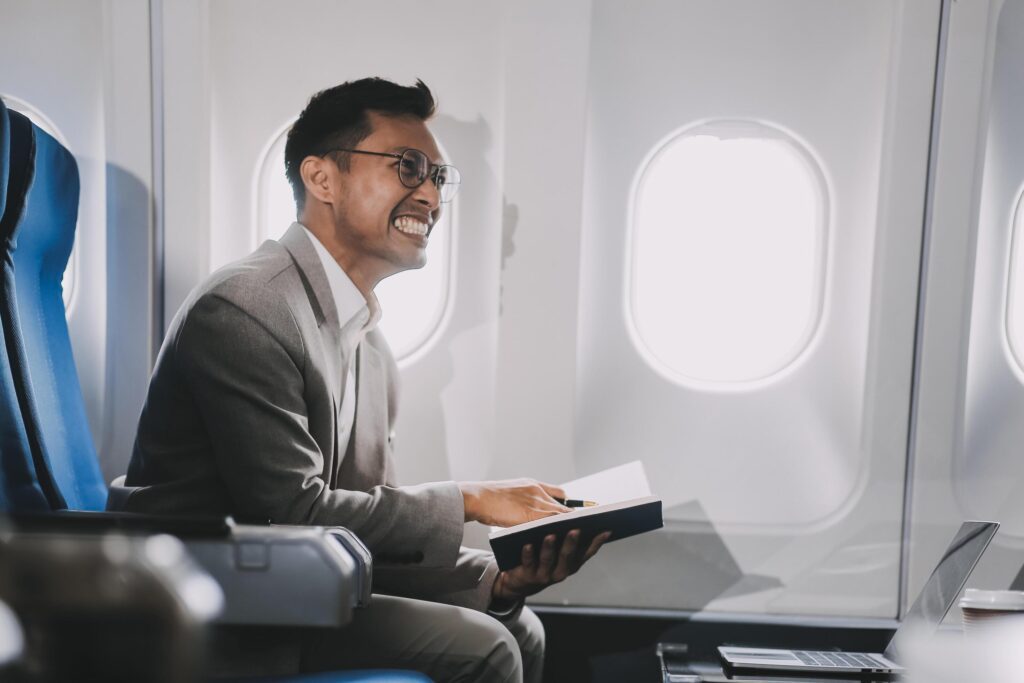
(445, 642)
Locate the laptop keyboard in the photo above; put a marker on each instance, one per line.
(850, 659)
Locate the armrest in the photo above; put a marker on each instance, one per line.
(270, 575)
(78, 521)
(360, 554)
(364, 561)
(281, 576)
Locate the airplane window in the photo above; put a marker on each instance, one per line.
(412, 303)
(726, 254)
(1015, 287)
(41, 120)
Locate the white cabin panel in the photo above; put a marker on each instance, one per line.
(800, 472)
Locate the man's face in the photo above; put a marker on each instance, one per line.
(379, 220)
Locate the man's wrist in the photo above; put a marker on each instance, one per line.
(501, 594)
(503, 610)
(469, 500)
(502, 604)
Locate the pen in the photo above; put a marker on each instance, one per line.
(574, 503)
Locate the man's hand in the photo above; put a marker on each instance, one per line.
(537, 573)
(510, 502)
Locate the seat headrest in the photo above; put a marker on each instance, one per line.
(54, 188)
(20, 173)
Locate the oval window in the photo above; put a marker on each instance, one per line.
(413, 303)
(37, 117)
(726, 253)
(1015, 287)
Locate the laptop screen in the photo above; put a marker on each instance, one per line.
(947, 579)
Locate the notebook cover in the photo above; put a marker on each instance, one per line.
(624, 519)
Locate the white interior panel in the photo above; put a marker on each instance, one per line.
(964, 459)
(719, 71)
(978, 472)
(989, 471)
(801, 474)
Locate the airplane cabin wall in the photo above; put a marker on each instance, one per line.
(806, 493)
(518, 382)
(966, 452)
(84, 67)
(785, 494)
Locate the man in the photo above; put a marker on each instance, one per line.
(274, 396)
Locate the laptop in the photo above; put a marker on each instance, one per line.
(931, 606)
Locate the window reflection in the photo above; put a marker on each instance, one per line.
(1015, 287)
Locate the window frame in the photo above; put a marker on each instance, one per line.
(1014, 348)
(734, 128)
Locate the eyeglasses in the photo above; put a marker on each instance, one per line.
(414, 167)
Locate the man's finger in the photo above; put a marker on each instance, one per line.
(527, 558)
(553, 491)
(546, 508)
(547, 558)
(596, 544)
(567, 556)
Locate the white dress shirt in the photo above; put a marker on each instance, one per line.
(357, 316)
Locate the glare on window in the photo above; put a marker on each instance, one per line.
(727, 253)
(1015, 287)
(412, 303)
(37, 117)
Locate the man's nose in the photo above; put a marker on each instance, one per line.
(428, 195)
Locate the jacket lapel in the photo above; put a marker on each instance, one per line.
(314, 279)
(365, 462)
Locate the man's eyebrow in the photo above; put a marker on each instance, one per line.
(400, 149)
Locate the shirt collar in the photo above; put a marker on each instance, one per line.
(355, 313)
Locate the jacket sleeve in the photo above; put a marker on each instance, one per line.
(468, 585)
(246, 376)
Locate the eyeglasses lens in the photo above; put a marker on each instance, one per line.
(447, 181)
(415, 167)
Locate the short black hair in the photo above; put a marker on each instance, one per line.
(337, 117)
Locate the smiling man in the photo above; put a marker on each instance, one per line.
(274, 397)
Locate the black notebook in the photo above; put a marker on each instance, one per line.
(623, 519)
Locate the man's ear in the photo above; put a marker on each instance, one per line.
(318, 175)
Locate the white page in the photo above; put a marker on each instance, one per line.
(613, 485)
(498, 532)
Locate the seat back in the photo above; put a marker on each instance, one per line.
(5, 159)
(35, 253)
(20, 490)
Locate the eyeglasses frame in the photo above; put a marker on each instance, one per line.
(432, 171)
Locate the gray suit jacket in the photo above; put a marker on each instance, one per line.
(242, 419)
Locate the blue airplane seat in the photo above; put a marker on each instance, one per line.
(5, 155)
(48, 460)
(36, 251)
(19, 486)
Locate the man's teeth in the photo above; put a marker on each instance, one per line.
(411, 226)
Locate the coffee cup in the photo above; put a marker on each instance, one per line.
(981, 608)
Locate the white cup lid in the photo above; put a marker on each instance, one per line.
(975, 598)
